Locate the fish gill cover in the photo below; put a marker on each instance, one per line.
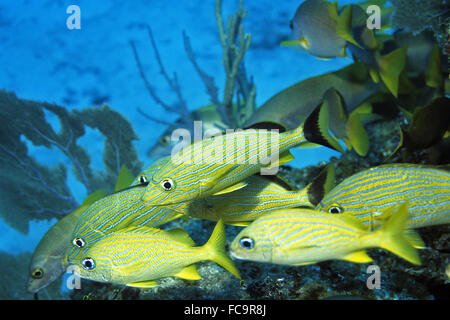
(378, 95)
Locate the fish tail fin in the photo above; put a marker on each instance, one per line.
(321, 185)
(215, 248)
(357, 134)
(316, 128)
(399, 241)
(390, 66)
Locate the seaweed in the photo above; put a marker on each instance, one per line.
(238, 100)
(33, 190)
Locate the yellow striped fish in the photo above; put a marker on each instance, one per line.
(47, 262)
(119, 210)
(369, 193)
(140, 256)
(219, 164)
(302, 236)
(261, 195)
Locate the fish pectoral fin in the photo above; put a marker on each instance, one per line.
(232, 188)
(296, 43)
(304, 263)
(181, 235)
(358, 257)
(189, 273)
(143, 284)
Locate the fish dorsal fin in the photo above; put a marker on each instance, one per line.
(344, 26)
(321, 185)
(350, 220)
(181, 236)
(358, 257)
(143, 284)
(144, 230)
(97, 195)
(189, 273)
(124, 179)
(232, 188)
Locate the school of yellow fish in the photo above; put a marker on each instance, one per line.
(232, 179)
(116, 238)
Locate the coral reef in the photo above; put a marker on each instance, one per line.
(417, 15)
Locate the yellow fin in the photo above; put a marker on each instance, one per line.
(374, 75)
(433, 75)
(358, 257)
(393, 238)
(232, 188)
(97, 195)
(143, 284)
(295, 43)
(215, 248)
(124, 179)
(414, 239)
(189, 273)
(344, 26)
(181, 236)
(284, 158)
(357, 134)
(239, 223)
(390, 66)
(304, 263)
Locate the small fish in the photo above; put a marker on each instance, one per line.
(261, 195)
(218, 165)
(302, 236)
(47, 263)
(314, 28)
(344, 91)
(140, 256)
(368, 194)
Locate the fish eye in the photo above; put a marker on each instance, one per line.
(291, 25)
(164, 139)
(37, 273)
(247, 243)
(79, 242)
(167, 184)
(88, 263)
(143, 179)
(335, 209)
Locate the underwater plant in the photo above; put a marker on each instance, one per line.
(33, 190)
(238, 101)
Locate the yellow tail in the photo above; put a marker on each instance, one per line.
(215, 248)
(394, 238)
